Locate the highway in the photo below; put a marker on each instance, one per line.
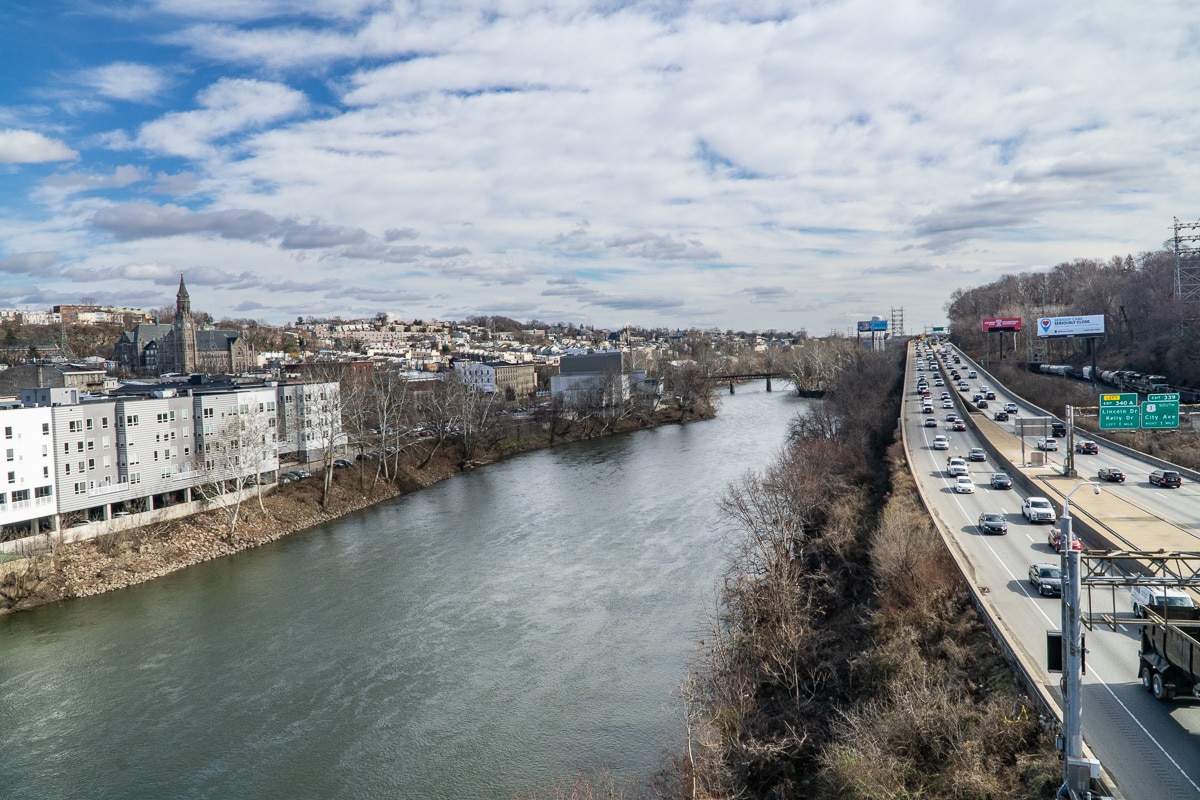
(1150, 749)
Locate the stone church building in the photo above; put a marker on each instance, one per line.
(181, 347)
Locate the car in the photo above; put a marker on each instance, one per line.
(975, 398)
(927, 408)
(981, 403)
(1110, 474)
(958, 359)
(963, 386)
(1166, 478)
(940, 442)
(971, 374)
(1054, 539)
(1011, 408)
(1058, 429)
(990, 395)
(1046, 578)
(952, 418)
(947, 403)
(1047, 444)
(991, 522)
(1162, 600)
(338, 463)
(1087, 447)
(938, 382)
(1000, 416)
(931, 422)
(964, 485)
(1001, 481)
(958, 425)
(1037, 509)
(976, 454)
(955, 466)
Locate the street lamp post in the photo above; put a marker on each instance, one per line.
(1076, 770)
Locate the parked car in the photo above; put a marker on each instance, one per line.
(1111, 474)
(940, 442)
(1000, 416)
(1001, 481)
(1054, 539)
(1046, 578)
(1047, 444)
(976, 454)
(339, 463)
(955, 466)
(1087, 447)
(964, 485)
(991, 522)
(1166, 478)
(1037, 509)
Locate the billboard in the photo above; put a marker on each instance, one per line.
(1002, 324)
(864, 326)
(867, 325)
(1090, 325)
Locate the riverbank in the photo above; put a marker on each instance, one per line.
(119, 560)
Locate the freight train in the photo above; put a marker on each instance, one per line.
(1123, 379)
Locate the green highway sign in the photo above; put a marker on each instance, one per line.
(1161, 411)
(1120, 412)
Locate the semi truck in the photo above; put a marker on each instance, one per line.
(1169, 657)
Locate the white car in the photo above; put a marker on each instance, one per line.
(1010, 408)
(956, 467)
(947, 404)
(1037, 509)
(940, 442)
(1047, 444)
(964, 485)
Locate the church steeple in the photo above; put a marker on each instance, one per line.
(186, 353)
(183, 303)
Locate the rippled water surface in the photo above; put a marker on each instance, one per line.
(469, 641)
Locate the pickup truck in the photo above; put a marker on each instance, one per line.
(1038, 509)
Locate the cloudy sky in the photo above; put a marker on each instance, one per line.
(752, 165)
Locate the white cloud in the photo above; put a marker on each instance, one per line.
(139, 83)
(30, 147)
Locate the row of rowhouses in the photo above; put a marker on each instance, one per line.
(72, 458)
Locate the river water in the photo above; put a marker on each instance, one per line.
(472, 640)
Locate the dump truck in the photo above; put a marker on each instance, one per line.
(1169, 658)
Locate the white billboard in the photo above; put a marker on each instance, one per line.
(1089, 325)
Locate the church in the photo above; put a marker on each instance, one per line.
(154, 349)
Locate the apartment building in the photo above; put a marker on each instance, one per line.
(310, 419)
(27, 493)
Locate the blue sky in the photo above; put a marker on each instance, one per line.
(750, 165)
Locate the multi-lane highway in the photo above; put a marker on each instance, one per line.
(1151, 749)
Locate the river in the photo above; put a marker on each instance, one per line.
(472, 640)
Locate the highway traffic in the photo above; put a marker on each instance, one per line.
(1150, 748)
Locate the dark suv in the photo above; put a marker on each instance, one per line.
(1166, 478)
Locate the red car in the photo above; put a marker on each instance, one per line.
(1055, 540)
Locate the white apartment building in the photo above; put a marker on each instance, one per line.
(27, 493)
(310, 419)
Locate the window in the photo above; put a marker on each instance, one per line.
(133, 458)
(104, 442)
(21, 496)
(8, 432)
(131, 420)
(81, 467)
(107, 462)
(79, 447)
(9, 455)
(74, 426)
(66, 469)
(66, 448)
(104, 422)
(81, 488)
(43, 491)
(90, 423)
(45, 451)
(91, 444)
(12, 477)
(3, 499)
(208, 413)
(45, 429)
(91, 463)
(45, 472)
(135, 477)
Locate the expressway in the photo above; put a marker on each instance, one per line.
(1150, 749)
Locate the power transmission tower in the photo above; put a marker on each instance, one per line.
(897, 324)
(1187, 260)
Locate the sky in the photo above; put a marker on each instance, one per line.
(753, 165)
